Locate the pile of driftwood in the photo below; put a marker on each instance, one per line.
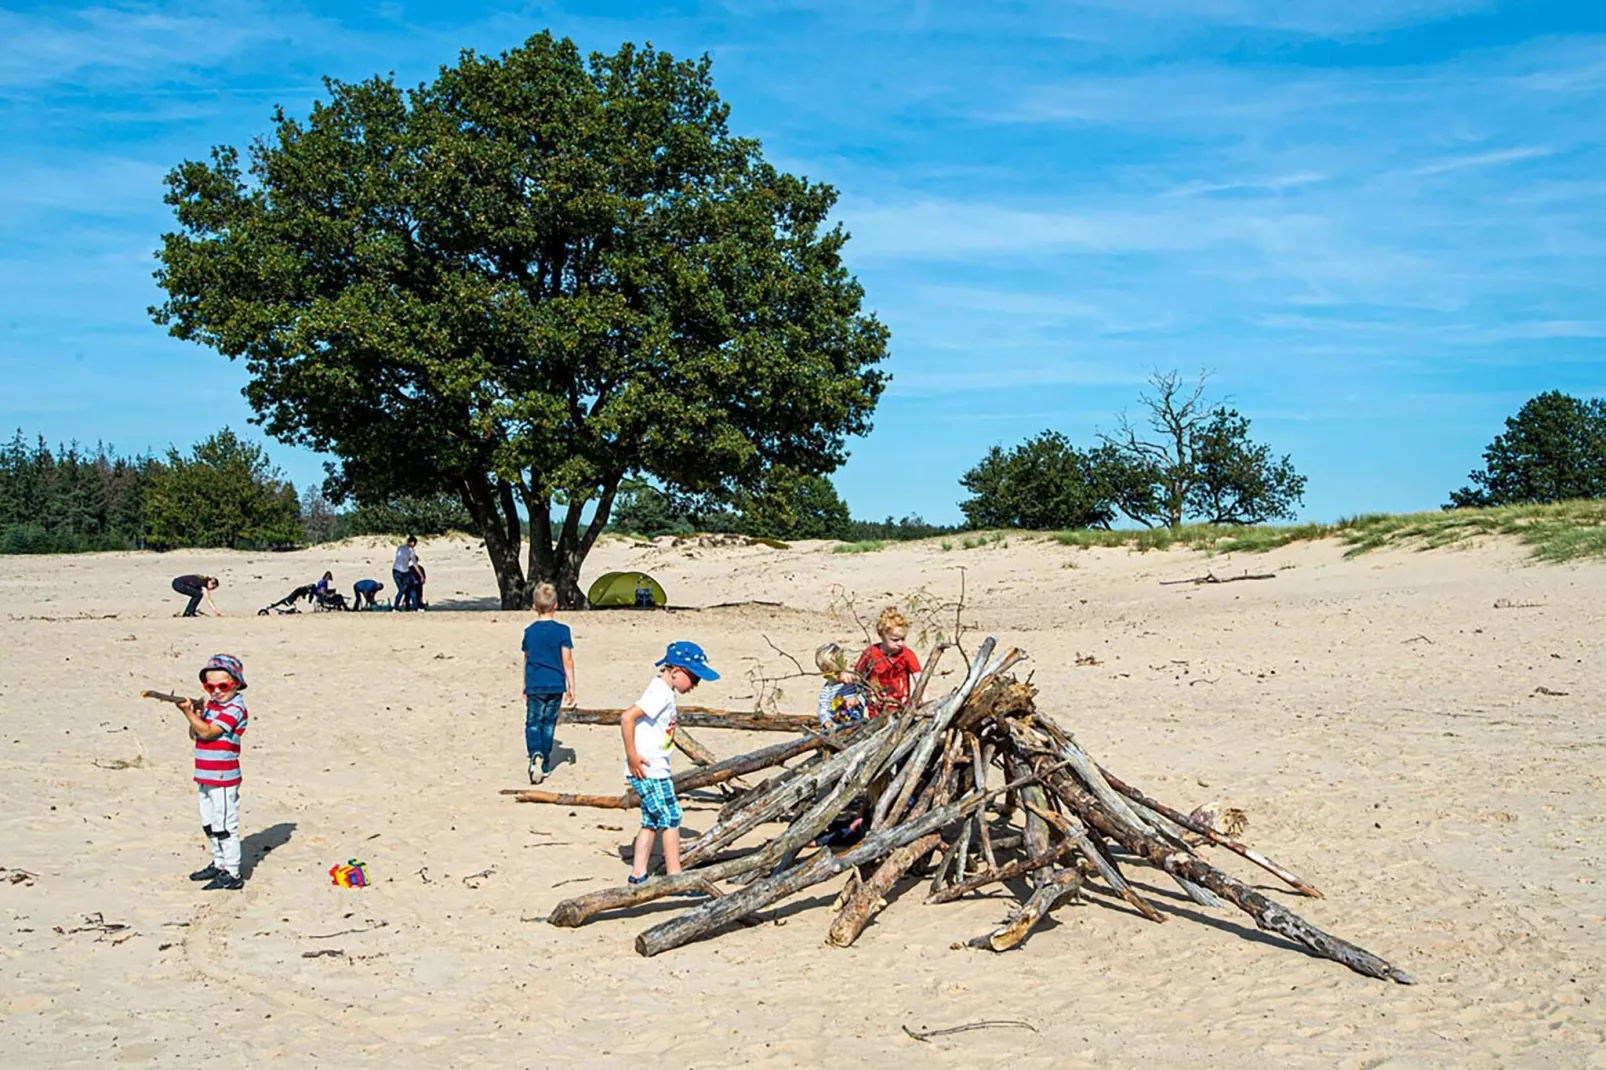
(971, 789)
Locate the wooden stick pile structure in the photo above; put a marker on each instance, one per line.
(971, 789)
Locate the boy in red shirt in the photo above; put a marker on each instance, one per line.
(888, 667)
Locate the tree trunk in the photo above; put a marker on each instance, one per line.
(496, 513)
(558, 560)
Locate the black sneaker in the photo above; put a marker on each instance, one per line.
(224, 881)
(209, 873)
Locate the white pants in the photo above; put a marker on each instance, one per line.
(220, 818)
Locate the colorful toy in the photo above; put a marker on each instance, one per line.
(353, 874)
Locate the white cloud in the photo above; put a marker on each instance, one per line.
(1482, 159)
(62, 45)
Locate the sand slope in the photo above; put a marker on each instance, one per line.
(1377, 717)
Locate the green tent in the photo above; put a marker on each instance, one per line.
(637, 590)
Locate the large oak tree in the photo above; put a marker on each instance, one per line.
(523, 282)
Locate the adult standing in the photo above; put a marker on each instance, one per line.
(402, 572)
(195, 588)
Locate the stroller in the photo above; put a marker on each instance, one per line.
(287, 604)
(329, 600)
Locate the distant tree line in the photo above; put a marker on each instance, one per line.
(223, 493)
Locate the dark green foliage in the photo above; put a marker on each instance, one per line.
(522, 283)
(1553, 450)
(903, 529)
(792, 505)
(408, 515)
(643, 509)
(1236, 481)
(70, 501)
(224, 494)
(1043, 484)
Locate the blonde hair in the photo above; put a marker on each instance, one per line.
(546, 598)
(830, 659)
(891, 619)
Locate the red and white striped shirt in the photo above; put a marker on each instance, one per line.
(217, 761)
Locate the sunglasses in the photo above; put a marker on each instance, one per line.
(227, 685)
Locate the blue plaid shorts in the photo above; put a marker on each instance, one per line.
(659, 807)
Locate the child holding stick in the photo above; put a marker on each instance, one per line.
(216, 729)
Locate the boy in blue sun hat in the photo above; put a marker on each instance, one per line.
(216, 729)
(649, 733)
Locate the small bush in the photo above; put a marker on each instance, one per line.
(867, 546)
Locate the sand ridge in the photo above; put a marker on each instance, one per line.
(1378, 717)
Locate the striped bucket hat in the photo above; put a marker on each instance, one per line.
(229, 664)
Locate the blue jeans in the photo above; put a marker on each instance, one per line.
(404, 589)
(540, 722)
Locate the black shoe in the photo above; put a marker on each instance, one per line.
(224, 881)
(209, 873)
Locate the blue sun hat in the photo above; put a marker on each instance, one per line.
(229, 664)
(688, 656)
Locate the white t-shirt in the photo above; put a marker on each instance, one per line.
(406, 558)
(655, 729)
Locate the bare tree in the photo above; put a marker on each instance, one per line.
(1197, 459)
(1157, 475)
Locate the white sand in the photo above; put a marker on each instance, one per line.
(1377, 717)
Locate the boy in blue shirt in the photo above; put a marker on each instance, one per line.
(548, 680)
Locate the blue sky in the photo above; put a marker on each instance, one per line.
(1378, 223)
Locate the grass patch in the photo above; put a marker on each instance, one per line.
(1565, 531)
(867, 546)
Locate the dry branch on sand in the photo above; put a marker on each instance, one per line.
(976, 787)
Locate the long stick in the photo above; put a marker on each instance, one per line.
(690, 779)
(1287, 876)
(704, 717)
(1273, 917)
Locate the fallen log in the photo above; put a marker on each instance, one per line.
(871, 895)
(704, 717)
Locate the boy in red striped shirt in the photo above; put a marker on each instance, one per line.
(216, 730)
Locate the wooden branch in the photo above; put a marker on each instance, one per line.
(686, 780)
(1060, 883)
(1095, 853)
(704, 717)
(1287, 876)
(687, 744)
(163, 696)
(1008, 871)
(1273, 917)
(858, 910)
(627, 801)
(707, 918)
(1211, 577)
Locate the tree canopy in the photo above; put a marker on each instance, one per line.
(521, 283)
(1553, 449)
(224, 494)
(1045, 483)
(1199, 463)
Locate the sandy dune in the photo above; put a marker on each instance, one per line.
(1379, 718)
